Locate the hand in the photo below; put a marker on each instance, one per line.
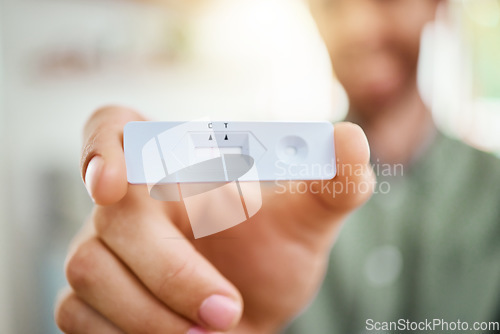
(136, 268)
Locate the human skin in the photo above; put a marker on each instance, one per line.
(135, 267)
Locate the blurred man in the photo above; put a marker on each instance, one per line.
(425, 249)
(426, 245)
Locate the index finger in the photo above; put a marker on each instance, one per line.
(102, 160)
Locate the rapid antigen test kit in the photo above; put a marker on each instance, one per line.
(219, 151)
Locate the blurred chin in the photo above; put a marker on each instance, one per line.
(374, 83)
(379, 90)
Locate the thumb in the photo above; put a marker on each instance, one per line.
(102, 161)
(354, 180)
(318, 206)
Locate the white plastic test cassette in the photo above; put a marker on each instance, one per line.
(199, 151)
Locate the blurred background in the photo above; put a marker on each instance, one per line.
(181, 60)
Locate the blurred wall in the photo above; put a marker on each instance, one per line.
(5, 242)
(459, 72)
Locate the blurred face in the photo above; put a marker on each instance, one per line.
(373, 45)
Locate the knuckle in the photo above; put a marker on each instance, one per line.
(104, 114)
(88, 152)
(81, 266)
(104, 219)
(64, 313)
(98, 124)
(91, 129)
(147, 327)
(178, 272)
(110, 109)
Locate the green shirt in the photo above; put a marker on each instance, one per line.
(429, 248)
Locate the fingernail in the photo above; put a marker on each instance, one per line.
(219, 312)
(199, 330)
(92, 175)
(196, 330)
